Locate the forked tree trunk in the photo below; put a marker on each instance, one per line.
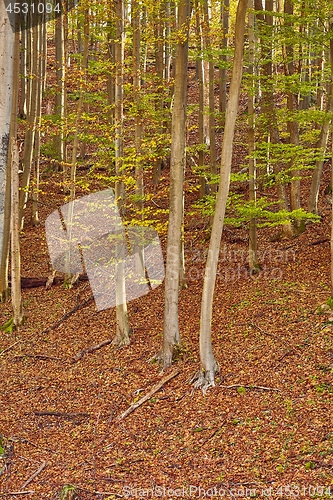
(205, 377)
(178, 142)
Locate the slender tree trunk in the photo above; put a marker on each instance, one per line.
(211, 96)
(331, 60)
(223, 59)
(178, 140)
(292, 125)
(139, 191)
(23, 71)
(321, 145)
(123, 329)
(60, 88)
(253, 245)
(201, 111)
(205, 377)
(79, 106)
(15, 238)
(268, 107)
(29, 140)
(9, 58)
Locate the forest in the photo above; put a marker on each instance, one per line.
(166, 249)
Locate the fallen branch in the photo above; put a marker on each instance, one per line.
(145, 398)
(37, 356)
(35, 474)
(24, 440)
(10, 347)
(12, 493)
(88, 350)
(69, 314)
(46, 282)
(258, 387)
(59, 414)
(103, 493)
(213, 433)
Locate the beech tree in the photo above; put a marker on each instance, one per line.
(178, 142)
(205, 377)
(7, 44)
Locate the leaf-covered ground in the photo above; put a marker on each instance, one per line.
(266, 424)
(265, 429)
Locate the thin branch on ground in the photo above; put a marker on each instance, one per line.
(59, 414)
(145, 398)
(88, 350)
(213, 433)
(258, 387)
(104, 493)
(70, 313)
(10, 347)
(24, 440)
(35, 474)
(37, 356)
(13, 493)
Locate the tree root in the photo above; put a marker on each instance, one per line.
(204, 379)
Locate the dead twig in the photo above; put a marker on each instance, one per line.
(145, 398)
(35, 474)
(258, 387)
(24, 440)
(213, 434)
(100, 492)
(37, 356)
(13, 493)
(10, 347)
(70, 313)
(88, 350)
(59, 414)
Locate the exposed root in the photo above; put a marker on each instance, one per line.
(204, 379)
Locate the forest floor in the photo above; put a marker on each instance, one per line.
(264, 431)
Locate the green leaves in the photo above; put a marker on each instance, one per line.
(8, 326)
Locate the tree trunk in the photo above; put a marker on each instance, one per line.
(7, 65)
(123, 329)
(292, 125)
(223, 59)
(178, 143)
(15, 239)
(209, 367)
(60, 87)
(331, 60)
(201, 111)
(253, 246)
(29, 139)
(321, 145)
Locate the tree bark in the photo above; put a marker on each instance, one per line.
(209, 367)
(15, 239)
(178, 143)
(7, 65)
